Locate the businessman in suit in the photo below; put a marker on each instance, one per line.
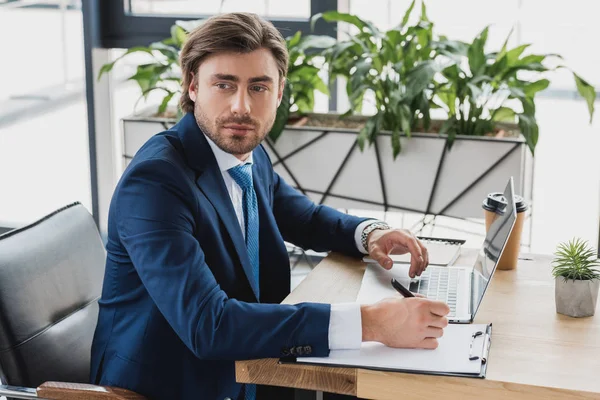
(196, 264)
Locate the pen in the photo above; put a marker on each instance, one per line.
(401, 289)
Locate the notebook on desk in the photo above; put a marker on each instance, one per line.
(442, 251)
(462, 351)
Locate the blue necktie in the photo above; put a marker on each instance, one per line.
(242, 175)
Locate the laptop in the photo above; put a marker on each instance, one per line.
(463, 287)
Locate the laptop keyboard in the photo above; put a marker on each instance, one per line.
(438, 284)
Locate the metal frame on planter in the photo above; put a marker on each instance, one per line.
(281, 160)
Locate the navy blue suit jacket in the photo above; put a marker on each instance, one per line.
(177, 307)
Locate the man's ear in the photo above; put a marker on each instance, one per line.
(280, 93)
(193, 88)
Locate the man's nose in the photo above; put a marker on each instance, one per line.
(241, 103)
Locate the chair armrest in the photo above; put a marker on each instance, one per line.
(17, 392)
(82, 391)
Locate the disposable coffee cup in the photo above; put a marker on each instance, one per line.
(493, 206)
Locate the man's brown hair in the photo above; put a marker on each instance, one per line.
(233, 32)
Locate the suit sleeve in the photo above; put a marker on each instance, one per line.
(155, 222)
(311, 226)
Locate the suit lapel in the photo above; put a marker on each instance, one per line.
(210, 181)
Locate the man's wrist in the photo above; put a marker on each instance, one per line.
(368, 333)
(375, 225)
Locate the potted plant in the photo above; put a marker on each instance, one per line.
(408, 71)
(577, 278)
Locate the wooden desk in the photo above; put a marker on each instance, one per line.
(535, 353)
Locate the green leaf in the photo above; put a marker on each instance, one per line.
(283, 114)
(517, 93)
(503, 114)
(453, 49)
(303, 72)
(360, 75)
(178, 35)
(531, 59)
(512, 71)
(449, 99)
(316, 42)
(451, 73)
(395, 142)
(165, 102)
(420, 77)
(513, 55)
(424, 105)
(356, 99)
(362, 25)
(407, 14)
(586, 91)
(476, 53)
(292, 41)
(319, 85)
(530, 130)
(148, 75)
(107, 67)
(367, 131)
(405, 119)
(504, 46)
(424, 12)
(532, 88)
(498, 67)
(447, 124)
(172, 53)
(449, 128)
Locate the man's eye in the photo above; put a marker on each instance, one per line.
(258, 88)
(223, 86)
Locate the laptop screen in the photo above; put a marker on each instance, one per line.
(493, 246)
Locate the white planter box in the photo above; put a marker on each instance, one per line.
(137, 129)
(426, 178)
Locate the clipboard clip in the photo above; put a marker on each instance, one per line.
(473, 337)
(486, 345)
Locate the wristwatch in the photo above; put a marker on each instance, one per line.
(370, 228)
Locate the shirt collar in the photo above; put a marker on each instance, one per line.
(225, 160)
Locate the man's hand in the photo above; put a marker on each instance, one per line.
(381, 243)
(404, 323)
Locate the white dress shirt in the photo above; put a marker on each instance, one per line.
(345, 329)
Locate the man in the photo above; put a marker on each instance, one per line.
(196, 263)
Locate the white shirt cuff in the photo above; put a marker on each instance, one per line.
(358, 232)
(345, 327)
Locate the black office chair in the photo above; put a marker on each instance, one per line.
(50, 280)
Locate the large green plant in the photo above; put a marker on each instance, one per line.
(488, 87)
(163, 73)
(397, 66)
(411, 69)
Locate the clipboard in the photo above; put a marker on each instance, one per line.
(471, 341)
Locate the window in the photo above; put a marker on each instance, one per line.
(273, 9)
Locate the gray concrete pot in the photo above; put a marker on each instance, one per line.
(576, 298)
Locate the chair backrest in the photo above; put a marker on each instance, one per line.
(50, 280)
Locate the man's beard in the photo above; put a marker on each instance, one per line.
(236, 145)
